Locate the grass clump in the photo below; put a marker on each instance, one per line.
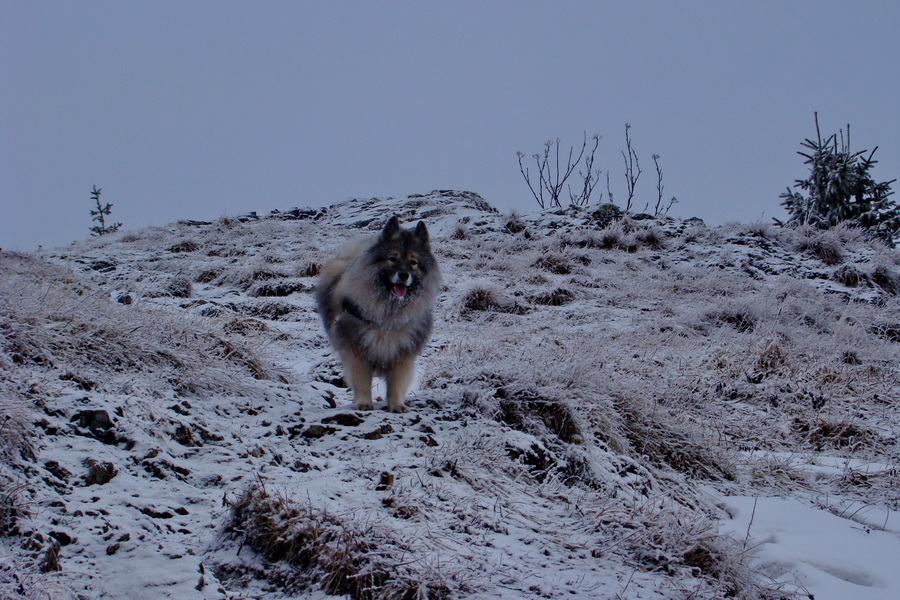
(659, 439)
(558, 265)
(557, 297)
(823, 246)
(307, 548)
(484, 299)
(184, 246)
(526, 411)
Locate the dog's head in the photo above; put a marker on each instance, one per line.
(403, 259)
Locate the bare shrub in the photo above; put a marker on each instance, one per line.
(553, 175)
(632, 168)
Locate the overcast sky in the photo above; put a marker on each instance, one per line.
(197, 109)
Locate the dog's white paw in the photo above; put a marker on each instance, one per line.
(364, 406)
(398, 408)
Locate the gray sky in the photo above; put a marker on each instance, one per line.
(194, 110)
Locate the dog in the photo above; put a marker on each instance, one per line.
(376, 300)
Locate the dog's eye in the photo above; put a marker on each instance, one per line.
(413, 264)
(392, 259)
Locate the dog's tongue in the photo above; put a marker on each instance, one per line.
(399, 290)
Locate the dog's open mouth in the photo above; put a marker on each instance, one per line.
(399, 290)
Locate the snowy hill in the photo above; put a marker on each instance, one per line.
(652, 409)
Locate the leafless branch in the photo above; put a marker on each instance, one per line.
(659, 186)
(539, 193)
(632, 167)
(589, 177)
(553, 174)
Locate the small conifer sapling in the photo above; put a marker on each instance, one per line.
(100, 215)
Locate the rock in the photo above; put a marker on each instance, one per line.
(95, 423)
(345, 419)
(317, 431)
(99, 472)
(378, 433)
(62, 537)
(58, 471)
(184, 436)
(104, 266)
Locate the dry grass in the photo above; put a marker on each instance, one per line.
(485, 299)
(669, 540)
(655, 435)
(50, 320)
(308, 547)
(14, 448)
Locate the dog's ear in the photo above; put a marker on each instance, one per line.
(421, 234)
(392, 228)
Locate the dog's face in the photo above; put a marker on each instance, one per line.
(403, 259)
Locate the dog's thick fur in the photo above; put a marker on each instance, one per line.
(376, 299)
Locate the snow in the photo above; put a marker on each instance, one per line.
(684, 423)
(827, 556)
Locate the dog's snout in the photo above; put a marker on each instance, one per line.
(403, 277)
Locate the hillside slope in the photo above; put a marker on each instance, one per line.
(601, 413)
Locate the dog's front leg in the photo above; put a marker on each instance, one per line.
(398, 379)
(359, 374)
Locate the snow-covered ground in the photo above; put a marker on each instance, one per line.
(827, 555)
(655, 409)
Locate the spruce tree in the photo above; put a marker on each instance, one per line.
(840, 189)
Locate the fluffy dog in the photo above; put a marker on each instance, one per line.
(376, 300)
